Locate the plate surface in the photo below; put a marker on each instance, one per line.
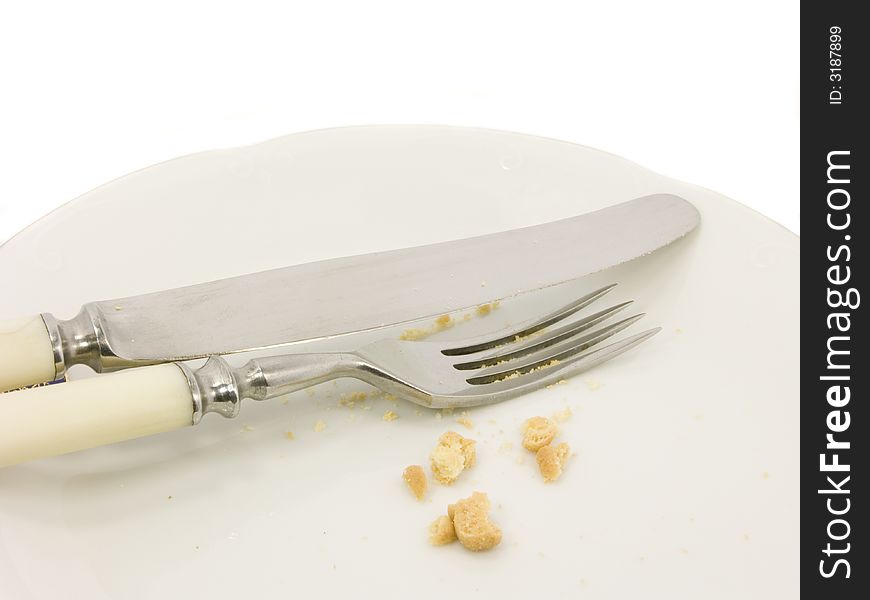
(685, 479)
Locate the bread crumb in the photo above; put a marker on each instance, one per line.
(485, 309)
(441, 531)
(290, 435)
(437, 416)
(552, 460)
(505, 447)
(247, 428)
(415, 477)
(563, 415)
(451, 456)
(592, 385)
(466, 422)
(351, 399)
(390, 416)
(765, 475)
(441, 323)
(515, 374)
(319, 425)
(538, 432)
(471, 523)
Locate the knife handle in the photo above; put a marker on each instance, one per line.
(26, 353)
(57, 419)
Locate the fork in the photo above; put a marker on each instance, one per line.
(486, 369)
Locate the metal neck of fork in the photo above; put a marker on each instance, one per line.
(217, 387)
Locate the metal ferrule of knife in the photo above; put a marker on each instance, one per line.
(81, 341)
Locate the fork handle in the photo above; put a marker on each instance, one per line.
(57, 419)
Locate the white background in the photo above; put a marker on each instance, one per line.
(706, 92)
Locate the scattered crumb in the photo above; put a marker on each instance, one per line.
(351, 399)
(366, 407)
(765, 475)
(485, 309)
(390, 416)
(451, 456)
(447, 411)
(247, 428)
(684, 551)
(560, 382)
(415, 477)
(745, 537)
(515, 374)
(482, 284)
(118, 307)
(391, 398)
(491, 421)
(437, 416)
(441, 323)
(520, 459)
(319, 425)
(505, 447)
(563, 415)
(698, 417)
(472, 525)
(591, 384)
(551, 461)
(466, 422)
(169, 497)
(538, 432)
(441, 531)
(678, 330)
(290, 435)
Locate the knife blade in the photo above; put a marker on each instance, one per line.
(329, 298)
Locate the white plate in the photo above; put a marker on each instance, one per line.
(685, 482)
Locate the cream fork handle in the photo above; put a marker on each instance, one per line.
(57, 419)
(26, 355)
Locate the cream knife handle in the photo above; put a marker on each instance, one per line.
(56, 419)
(26, 354)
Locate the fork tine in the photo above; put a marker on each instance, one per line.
(539, 343)
(558, 354)
(568, 367)
(554, 317)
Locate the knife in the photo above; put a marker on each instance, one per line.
(335, 297)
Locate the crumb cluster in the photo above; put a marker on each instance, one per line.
(415, 477)
(468, 521)
(550, 460)
(538, 432)
(452, 456)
